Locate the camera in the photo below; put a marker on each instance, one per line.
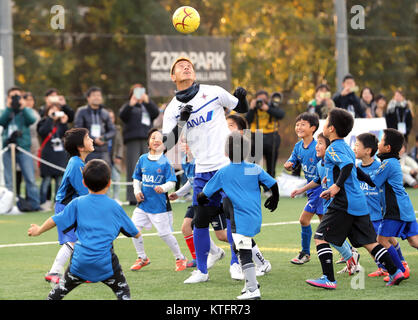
(58, 114)
(259, 103)
(15, 103)
(276, 98)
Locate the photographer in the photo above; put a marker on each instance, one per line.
(347, 99)
(322, 104)
(51, 129)
(264, 115)
(16, 120)
(52, 96)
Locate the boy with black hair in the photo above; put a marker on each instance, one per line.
(98, 220)
(398, 217)
(241, 181)
(78, 144)
(347, 214)
(304, 153)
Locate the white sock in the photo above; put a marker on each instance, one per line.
(172, 243)
(214, 249)
(139, 247)
(257, 256)
(62, 257)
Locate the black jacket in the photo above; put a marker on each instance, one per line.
(133, 127)
(348, 100)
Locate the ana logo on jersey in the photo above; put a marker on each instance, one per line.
(148, 178)
(199, 120)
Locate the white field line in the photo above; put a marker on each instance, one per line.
(144, 235)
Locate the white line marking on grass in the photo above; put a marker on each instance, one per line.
(27, 244)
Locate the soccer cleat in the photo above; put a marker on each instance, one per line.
(301, 258)
(245, 287)
(396, 278)
(236, 272)
(140, 263)
(197, 276)
(212, 258)
(53, 277)
(191, 264)
(323, 282)
(378, 273)
(340, 261)
(353, 263)
(248, 295)
(405, 273)
(263, 269)
(181, 264)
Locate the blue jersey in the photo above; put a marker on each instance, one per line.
(307, 158)
(154, 173)
(72, 182)
(320, 175)
(241, 184)
(373, 195)
(350, 198)
(98, 221)
(189, 169)
(397, 204)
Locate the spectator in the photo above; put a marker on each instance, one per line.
(264, 115)
(414, 151)
(51, 129)
(52, 96)
(399, 115)
(16, 120)
(367, 102)
(380, 110)
(347, 99)
(137, 115)
(116, 156)
(322, 104)
(96, 119)
(409, 168)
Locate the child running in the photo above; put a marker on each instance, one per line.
(241, 181)
(153, 177)
(98, 220)
(78, 144)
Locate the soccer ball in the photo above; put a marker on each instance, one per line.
(186, 19)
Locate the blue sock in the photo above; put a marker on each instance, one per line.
(306, 236)
(234, 258)
(399, 251)
(344, 250)
(201, 240)
(395, 257)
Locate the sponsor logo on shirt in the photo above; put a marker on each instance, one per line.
(199, 120)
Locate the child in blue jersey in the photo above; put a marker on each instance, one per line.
(350, 256)
(153, 177)
(304, 154)
(241, 181)
(398, 216)
(78, 144)
(98, 221)
(347, 215)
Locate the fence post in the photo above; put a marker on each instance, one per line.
(13, 160)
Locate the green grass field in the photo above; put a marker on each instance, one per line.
(23, 266)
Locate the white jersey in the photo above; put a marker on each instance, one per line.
(207, 129)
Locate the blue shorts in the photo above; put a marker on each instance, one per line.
(376, 225)
(315, 203)
(199, 182)
(398, 229)
(68, 236)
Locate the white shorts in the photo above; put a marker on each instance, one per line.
(242, 242)
(161, 221)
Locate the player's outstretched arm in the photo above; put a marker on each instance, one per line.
(171, 138)
(273, 200)
(36, 230)
(305, 188)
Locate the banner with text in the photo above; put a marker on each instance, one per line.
(210, 56)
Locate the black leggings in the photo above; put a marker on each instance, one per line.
(117, 283)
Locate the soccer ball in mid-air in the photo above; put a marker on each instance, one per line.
(186, 19)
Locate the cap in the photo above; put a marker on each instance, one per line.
(178, 60)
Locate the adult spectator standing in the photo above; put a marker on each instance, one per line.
(51, 129)
(322, 103)
(347, 99)
(399, 115)
(264, 115)
(96, 119)
(16, 120)
(380, 110)
(115, 146)
(367, 102)
(137, 115)
(52, 96)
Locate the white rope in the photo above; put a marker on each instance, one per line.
(4, 149)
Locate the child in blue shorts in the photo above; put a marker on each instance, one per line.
(98, 220)
(78, 144)
(398, 216)
(241, 181)
(304, 154)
